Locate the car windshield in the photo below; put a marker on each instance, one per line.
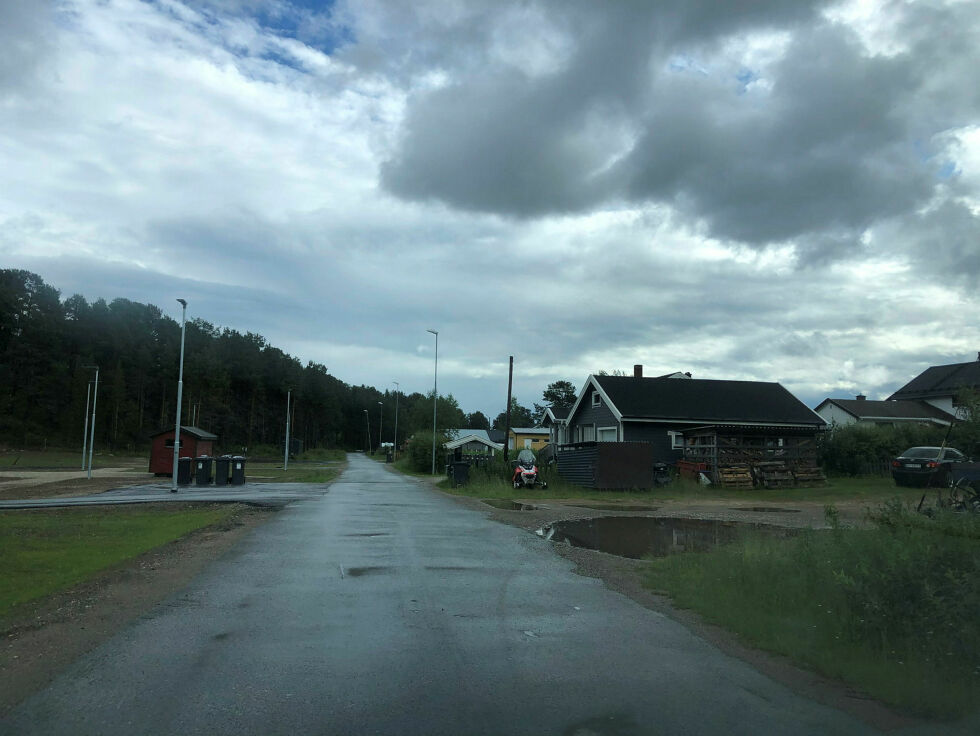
(525, 457)
(922, 453)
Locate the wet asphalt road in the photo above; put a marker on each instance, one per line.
(384, 608)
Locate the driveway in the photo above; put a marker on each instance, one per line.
(381, 607)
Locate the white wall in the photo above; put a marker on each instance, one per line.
(833, 414)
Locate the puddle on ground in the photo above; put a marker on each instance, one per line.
(614, 507)
(357, 572)
(765, 508)
(369, 534)
(508, 505)
(639, 536)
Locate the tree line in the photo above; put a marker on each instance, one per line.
(235, 384)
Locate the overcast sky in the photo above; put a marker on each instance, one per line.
(753, 189)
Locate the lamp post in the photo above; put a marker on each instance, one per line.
(394, 455)
(367, 420)
(285, 459)
(381, 420)
(88, 401)
(91, 440)
(180, 392)
(435, 398)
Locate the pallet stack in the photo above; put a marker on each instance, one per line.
(735, 476)
(773, 474)
(809, 475)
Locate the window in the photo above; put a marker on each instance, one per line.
(527, 444)
(596, 399)
(170, 443)
(588, 433)
(676, 440)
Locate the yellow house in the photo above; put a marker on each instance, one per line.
(531, 438)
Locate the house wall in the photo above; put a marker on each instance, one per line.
(833, 414)
(942, 402)
(162, 457)
(599, 416)
(537, 441)
(656, 433)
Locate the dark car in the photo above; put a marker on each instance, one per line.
(920, 466)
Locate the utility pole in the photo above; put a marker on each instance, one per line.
(367, 421)
(381, 421)
(435, 399)
(285, 460)
(91, 439)
(510, 384)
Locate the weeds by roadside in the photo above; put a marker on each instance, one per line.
(890, 609)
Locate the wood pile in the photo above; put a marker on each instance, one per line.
(773, 474)
(735, 476)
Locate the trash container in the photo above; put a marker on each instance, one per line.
(184, 471)
(461, 473)
(238, 470)
(202, 473)
(221, 467)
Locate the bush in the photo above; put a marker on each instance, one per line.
(420, 451)
(846, 450)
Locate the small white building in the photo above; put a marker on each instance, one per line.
(842, 412)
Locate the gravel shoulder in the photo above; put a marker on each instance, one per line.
(43, 637)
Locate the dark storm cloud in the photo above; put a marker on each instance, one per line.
(839, 141)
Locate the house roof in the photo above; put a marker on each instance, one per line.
(192, 431)
(559, 412)
(496, 435)
(530, 430)
(702, 400)
(479, 433)
(464, 439)
(941, 380)
(898, 410)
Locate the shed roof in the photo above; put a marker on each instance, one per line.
(941, 380)
(530, 430)
(458, 433)
(197, 432)
(705, 400)
(465, 439)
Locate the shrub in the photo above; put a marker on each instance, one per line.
(420, 451)
(846, 450)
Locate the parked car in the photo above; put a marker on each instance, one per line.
(920, 466)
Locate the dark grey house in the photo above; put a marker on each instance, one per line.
(940, 384)
(659, 410)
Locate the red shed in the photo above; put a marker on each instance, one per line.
(194, 441)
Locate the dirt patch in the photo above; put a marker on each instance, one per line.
(43, 637)
(31, 487)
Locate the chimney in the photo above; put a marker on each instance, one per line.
(638, 370)
(688, 374)
(861, 397)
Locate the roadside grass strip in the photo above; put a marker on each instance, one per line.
(304, 469)
(45, 552)
(890, 610)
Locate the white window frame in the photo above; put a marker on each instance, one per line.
(596, 399)
(606, 429)
(676, 439)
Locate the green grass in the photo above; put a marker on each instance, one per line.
(309, 467)
(890, 610)
(47, 551)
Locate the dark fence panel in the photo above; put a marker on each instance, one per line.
(607, 464)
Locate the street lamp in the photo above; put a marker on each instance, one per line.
(367, 420)
(95, 399)
(180, 392)
(395, 449)
(285, 460)
(435, 397)
(381, 420)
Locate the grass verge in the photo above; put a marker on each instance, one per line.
(63, 460)
(313, 466)
(890, 610)
(45, 551)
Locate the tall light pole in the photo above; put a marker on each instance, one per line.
(367, 420)
(285, 460)
(88, 401)
(394, 455)
(91, 439)
(435, 398)
(381, 420)
(180, 392)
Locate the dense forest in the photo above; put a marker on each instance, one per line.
(235, 384)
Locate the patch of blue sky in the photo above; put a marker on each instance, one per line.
(310, 21)
(947, 171)
(745, 77)
(681, 63)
